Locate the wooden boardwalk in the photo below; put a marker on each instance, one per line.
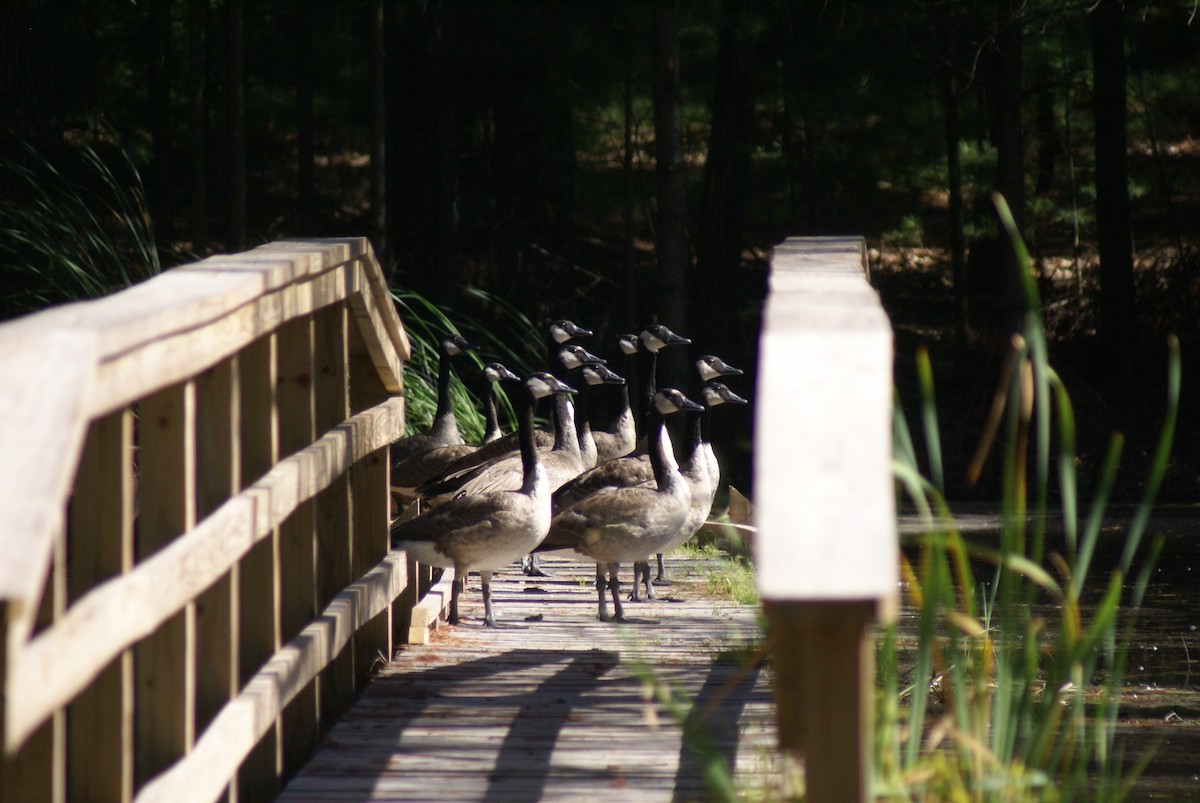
(556, 705)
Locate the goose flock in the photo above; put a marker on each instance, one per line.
(612, 491)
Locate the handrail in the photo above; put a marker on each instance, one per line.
(194, 466)
(826, 552)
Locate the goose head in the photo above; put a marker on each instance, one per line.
(541, 384)
(657, 336)
(599, 374)
(572, 356)
(563, 330)
(628, 344)
(672, 400)
(716, 393)
(711, 367)
(454, 345)
(497, 372)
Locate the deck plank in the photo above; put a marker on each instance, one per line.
(554, 706)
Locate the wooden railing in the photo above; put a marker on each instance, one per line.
(195, 576)
(826, 552)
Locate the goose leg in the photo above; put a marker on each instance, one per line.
(485, 578)
(648, 582)
(614, 584)
(662, 572)
(533, 567)
(635, 593)
(601, 591)
(460, 577)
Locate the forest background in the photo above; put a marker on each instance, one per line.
(615, 163)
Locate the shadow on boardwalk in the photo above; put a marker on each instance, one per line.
(555, 706)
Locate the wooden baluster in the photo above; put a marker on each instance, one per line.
(258, 593)
(333, 504)
(297, 546)
(218, 477)
(164, 663)
(369, 480)
(100, 546)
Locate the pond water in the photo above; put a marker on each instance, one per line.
(1161, 705)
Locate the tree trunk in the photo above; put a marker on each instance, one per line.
(306, 177)
(446, 157)
(236, 100)
(671, 291)
(954, 176)
(719, 229)
(198, 122)
(633, 315)
(162, 188)
(1113, 235)
(1007, 135)
(378, 213)
(993, 278)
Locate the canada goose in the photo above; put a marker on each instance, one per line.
(709, 367)
(408, 474)
(444, 431)
(633, 469)
(702, 476)
(563, 331)
(560, 463)
(654, 338)
(619, 436)
(488, 531)
(593, 375)
(624, 523)
(458, 473)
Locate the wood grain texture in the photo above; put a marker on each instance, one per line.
(202, 775)
(556, 705)
(125, 609)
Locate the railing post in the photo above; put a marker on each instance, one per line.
(100, 721)
(297, 537)
(334, 514)
(258, 594)
(369, 487)
(164, 663)
(826, 553)
(218, 478)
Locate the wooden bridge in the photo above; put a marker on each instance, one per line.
(196, 579)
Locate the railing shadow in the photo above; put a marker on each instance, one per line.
(710, 731)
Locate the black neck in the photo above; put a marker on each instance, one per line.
(648, 362)
(492, 414)
(582, 424)
(443, 402)
(623, 407)
(706, 425)
(693, 432)
(529, 458)
(633, 399)
(562, 434)
(654, 445)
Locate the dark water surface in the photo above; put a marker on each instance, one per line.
(1161, 701)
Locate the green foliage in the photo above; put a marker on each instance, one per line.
(67, 239)
(1016, 679)
(508, 336)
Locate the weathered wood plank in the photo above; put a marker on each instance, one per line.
(134, 605)
(239, 726)
(824, 417)
(554, 707)
(826, 553)
(164, 662)
(100, 720)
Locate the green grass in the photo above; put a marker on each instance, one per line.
(67, 238)
(989, 730)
